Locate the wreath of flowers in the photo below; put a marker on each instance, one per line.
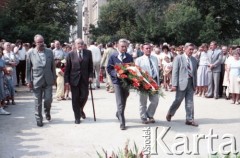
(132, 76)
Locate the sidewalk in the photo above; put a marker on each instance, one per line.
(61, 138)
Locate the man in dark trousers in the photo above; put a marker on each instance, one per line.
(121, 93)
(184, 81)
(78, 74)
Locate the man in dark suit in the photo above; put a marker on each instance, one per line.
(78, 74)
(41, 76)
(184, 80)
(121, 93)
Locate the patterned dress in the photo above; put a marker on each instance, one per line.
(2, 93)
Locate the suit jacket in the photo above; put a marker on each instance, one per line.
(180, 72)
(144, 63)
(113, 60)
(76, 68)
(36, 72)
(106, 55)
(215, 59)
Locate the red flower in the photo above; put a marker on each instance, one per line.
(123, 76)
(117, 67)
(134, 80)
(120, 72)
(147, 86)
(136, 84)
(132, 72)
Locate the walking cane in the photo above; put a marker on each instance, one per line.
(92, 101)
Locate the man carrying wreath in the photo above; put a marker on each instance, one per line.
(148, 63)
(121, 93)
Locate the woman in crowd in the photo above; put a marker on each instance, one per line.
(234, 77)
(11, 60)
(202, 77)
(2, 96)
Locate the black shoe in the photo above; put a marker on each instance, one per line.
(168, 117)
(77, 121)
(83, 115)
(151, 120)
(13, 103)
(98, 87)
(122, 127)
(117, 115)
(144, 121)
(39, 123)
(208, 96)
(48, 117)
(191, 123)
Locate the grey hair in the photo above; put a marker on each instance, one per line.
(123, 40)
(188, 44)
(38, 35)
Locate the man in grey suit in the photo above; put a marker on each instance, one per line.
(184, 80)
(148, 63)
(41, 76)
(214, 69)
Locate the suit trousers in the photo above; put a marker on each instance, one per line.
(96, 69)
(21, 69)
(189, 105)
(150, 111)
(213, 84)
(121, 99)
(221, 80)
(79, 98)
(40, 93)
(109, 80)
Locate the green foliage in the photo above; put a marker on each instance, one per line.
(172, 21)
(25, 18)
(183, 22)
(124, 153)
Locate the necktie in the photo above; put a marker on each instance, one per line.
(122, 55)
(152, 68)
(189, 68)
(212, 55)
(80, 54)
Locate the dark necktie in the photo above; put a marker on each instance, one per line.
(122, 55)
(80, 55)
(152, 68)
(212, 55)
(189, 68)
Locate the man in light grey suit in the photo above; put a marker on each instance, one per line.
(148, 63)
(41, 76)
(184, 80)
(214, 69)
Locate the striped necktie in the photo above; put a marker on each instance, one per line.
(152, 68)
(189, 68)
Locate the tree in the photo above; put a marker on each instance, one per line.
(25, 18)
(182, 23)
(224, 14)
(117, 20)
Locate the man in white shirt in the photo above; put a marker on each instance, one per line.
(58, 52)
(20, 52)
(96, 57)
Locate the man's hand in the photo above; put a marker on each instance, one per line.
(67, 84)
(174, 88)
(90, 80)
(30, 85)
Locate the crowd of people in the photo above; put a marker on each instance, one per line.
(217, 75)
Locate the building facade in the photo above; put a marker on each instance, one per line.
(76, 30)
(90, 15)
